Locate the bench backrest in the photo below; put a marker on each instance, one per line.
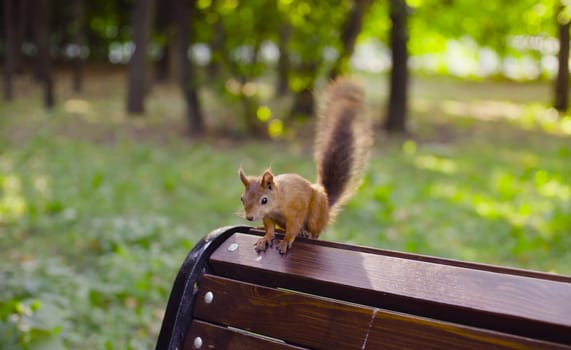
(325, 295)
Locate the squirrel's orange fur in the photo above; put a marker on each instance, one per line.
(342, 144)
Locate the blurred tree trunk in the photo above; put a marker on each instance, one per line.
(9, 49)
(164, 24)
(282, 87)
(35, 62)
(216, 46)
(137, 63)
(303, 102)
(79, 41)
(562, 79)
(250, 102)
(244, 73)
(349, 33)
(188, 81)
(398, 93)
(162, 66)
(43, 56)
(303, 105)
(21, 19)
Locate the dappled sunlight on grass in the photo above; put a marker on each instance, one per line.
(528, 116)
(434, 163)
(551, 186)
(76, 106)
(516, 212)
(12, 203)
(534, 202)
(484, 110)
(501, 199)
(98, 209)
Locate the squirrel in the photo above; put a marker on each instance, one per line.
(342, 146)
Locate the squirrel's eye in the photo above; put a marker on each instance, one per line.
(242, 199)
(264, 200)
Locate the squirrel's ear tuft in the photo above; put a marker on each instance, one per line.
(267, 180)
(243, 177)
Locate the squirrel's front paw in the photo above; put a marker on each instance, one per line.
(262, 244)
(284, 246)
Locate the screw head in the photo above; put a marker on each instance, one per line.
(233, 247)
(197, 342)
(208, 297)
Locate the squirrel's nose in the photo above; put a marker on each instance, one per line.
(250, 218)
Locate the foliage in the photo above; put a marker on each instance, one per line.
(435, 20)
(240, 41)
(250, 46)
(97, 210)
(316, 25)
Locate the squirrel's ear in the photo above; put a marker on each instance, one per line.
(243, 177)
(267, 180)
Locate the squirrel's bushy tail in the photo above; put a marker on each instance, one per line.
(343, 141)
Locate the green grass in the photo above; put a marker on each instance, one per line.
(97, 211)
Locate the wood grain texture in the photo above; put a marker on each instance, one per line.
(296, 318)
(399, 331)
(217, 337)
(427, 258)
(325, 324)
(510, 303)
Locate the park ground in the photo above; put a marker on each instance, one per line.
(98, 209)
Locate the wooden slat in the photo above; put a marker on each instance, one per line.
(296, 318)
(324, 324)
(392, 330)
(515, 304)
(431, 259)
(216, 337)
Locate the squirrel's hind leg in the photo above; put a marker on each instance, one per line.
(318, 217)
(293, 228)
(304, 233)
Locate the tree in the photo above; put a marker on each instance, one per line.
(314, 31)
(349, 33)
(303, 100)
(43, 56)
(282, 86)
(398, 92)
(164, 31)
(9, 49)
(237, 33)
(137, 64)
(188, 81)
(21, 18)
(216, 43)
(79, 42)
(562, 79)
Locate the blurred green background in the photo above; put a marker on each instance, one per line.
(115, 161)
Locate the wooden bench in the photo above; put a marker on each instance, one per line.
(325, 295)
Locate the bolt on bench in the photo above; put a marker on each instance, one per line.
(325, 295)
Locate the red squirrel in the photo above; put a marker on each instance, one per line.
(342, 146)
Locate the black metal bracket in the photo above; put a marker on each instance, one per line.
(178, 313)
